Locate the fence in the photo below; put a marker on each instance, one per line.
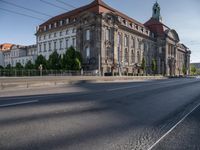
(24, 72)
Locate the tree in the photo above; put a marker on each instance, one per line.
(1, 67)
(18, 66)
(143, 65)
(193, 70)
(8, 66)
(184, 70)
(153, 66)
(72, 60)
(29, 65)
(41, 60)
(54, 61)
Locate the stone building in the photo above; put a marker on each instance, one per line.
(110, 41)
(18, 54)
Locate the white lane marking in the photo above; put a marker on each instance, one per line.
(128, 87)
(162, 137)
(19, 103)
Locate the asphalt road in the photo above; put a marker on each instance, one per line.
(104, 116)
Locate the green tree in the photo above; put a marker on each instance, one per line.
(153, 66)
(29, 65)
(72, 60)
(143, 65)
(193, 70)
(8, 66)
(184, 70)
(1, 67)
(41, 60)
(54, 61)
(18, 66)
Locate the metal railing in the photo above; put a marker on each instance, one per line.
(34, 72)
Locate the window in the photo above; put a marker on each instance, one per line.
(44, 37)
(74, 42)
(55, 34)
(67, 31)
(61, 22)
(67, 43)
(74, 30)
(133, 43)
(40, 48)
(132, 56)
(45, 47)
(126, 41)
(50, 26)
(49, 46)
(126, 55)
(39, 38)
(60, 44)
(87, 52)
(55, 24)
(60, 33)
(107, 34)
(55, 45)
(87, 34)
(67, 20)
(49, 35)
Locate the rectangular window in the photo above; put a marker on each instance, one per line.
(67, 31)
(55, 34)
(55, 45)
(60, 33)
(49, 35)
(40, 48)
(45, 47)
(49, 46)
(73, 30)
(74, 42)
(67, 44)
(107, 34)
(88, 35)
(126, 41)
(60, 44)
(87, 52)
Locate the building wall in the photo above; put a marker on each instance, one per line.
(2, 59)
(56, 40)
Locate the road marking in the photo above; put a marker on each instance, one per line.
(19, 103)
(128, 87)
(162, 137)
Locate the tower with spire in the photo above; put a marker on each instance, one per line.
(156, 12)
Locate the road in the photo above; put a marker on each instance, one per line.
(104, 116)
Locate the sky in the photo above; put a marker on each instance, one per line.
(181, 15)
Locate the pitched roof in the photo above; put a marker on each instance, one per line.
(6, 46)
(156, 27)
(94, 6)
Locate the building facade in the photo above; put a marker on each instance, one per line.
(18, 54)
(110, 41)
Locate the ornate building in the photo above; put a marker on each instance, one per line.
(110, 41)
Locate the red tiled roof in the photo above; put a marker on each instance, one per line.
(156, 27)
(97, 6)
(6, 46)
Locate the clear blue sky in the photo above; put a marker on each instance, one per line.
(181, 15)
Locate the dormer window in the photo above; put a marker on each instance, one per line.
(67, 20)
(61, 22)
(124, 21)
